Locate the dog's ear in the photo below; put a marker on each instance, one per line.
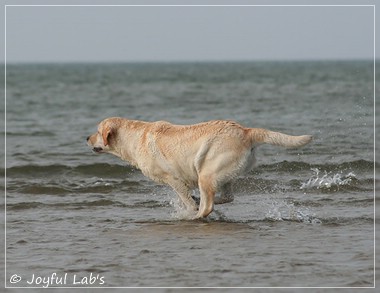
(107, 131)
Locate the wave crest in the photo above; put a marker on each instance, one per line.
(328, 180)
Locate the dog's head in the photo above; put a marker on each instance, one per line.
(102, 141)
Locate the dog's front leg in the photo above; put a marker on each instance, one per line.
(184, 193)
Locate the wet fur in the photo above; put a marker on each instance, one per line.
(207, 155)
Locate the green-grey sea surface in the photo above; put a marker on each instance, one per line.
(301, 218)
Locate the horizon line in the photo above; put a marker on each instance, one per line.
(147, 61)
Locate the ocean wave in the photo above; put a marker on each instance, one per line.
(97, 169)
(96, 185)
(84, 204)
(61, 187)
(110, 170)
(102, 178)
(286, 166)
(276, 211)
(326, 184)
(297, 216)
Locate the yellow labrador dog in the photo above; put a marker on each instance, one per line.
(207, 155)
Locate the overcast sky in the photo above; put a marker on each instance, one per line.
(121, 34)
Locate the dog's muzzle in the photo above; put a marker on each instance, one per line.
(97, 149)
(94, 149)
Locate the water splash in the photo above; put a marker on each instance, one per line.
(328, 180)
(180, 212)
(283, 211)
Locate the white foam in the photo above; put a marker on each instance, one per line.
(327, 180)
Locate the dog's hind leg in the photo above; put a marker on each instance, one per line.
(207, 191)
(226, 195)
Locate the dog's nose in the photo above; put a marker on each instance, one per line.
(88, 137)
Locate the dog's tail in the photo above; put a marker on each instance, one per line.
(261, 136)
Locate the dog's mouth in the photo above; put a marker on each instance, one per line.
(97, 149)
